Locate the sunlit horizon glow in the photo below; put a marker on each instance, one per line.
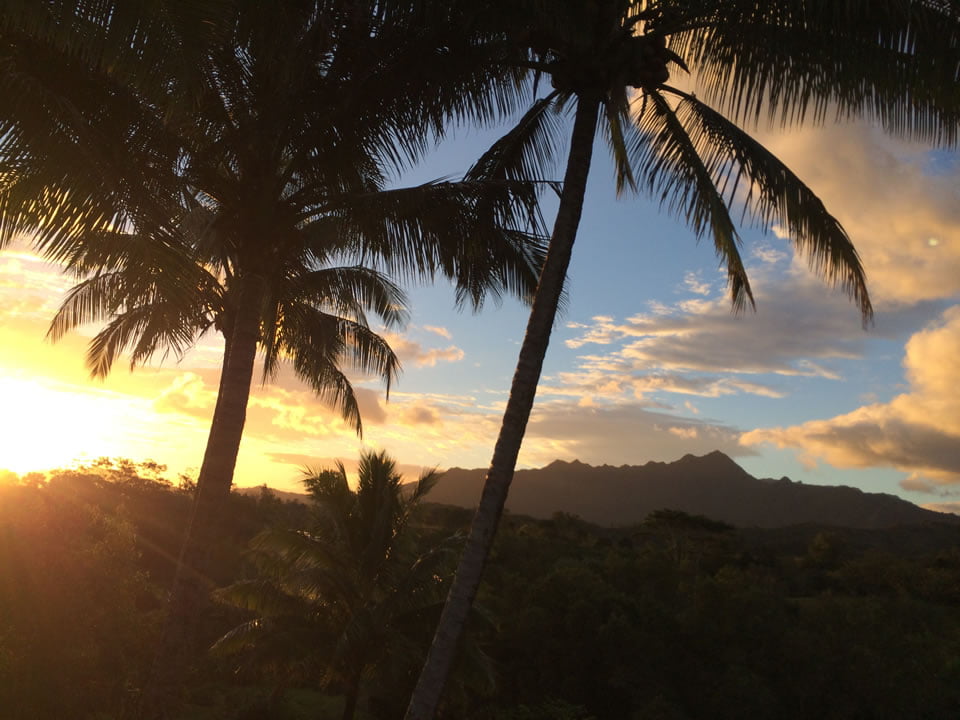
(646, 364)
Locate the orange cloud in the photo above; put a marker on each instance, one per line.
(917, 431)
(412, 352)
(902, 214)
(625, 433)
(441, 331)
(187, 394)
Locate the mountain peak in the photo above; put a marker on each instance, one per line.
(712, 485)
(714, 460)
(712, 455)
(560, 464)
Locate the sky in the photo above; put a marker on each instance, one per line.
(647, 361)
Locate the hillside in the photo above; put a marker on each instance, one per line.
(711, 485)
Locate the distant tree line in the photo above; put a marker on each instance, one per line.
(327, 607)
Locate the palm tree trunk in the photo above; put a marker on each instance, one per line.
(191, 582)
(350, 698)
(426, 695)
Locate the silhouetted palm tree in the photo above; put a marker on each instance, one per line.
(348, 595)
(895, 62)
(249, 190)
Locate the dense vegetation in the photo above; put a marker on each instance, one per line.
(678, 617)
(208, 165)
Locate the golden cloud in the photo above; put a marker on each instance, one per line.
(901, 211)
(441, 331)
(917, 431)
(412, 352)
(626, 433)
(187, 394)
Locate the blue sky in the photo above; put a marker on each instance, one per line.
(801, 358)
(647, 363)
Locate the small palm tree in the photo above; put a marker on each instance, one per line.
(894, 61)
(248, 192)
(354, 593)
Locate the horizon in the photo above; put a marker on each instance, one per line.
(409, 479)
(945, 508)
(646, 364)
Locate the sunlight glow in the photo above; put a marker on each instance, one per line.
(43, 427)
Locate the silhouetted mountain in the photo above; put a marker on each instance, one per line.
(712, 485)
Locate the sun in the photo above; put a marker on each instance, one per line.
(44, 427)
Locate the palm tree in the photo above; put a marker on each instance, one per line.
(894, 62)
(222, 211)
(218, 212)
(356, 592)
(81, 146)
(246, 192)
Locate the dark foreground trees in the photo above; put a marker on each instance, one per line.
(348, 603)
(676, 617)
(246, 191)
(611, 61)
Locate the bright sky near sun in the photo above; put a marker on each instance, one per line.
(647, 363)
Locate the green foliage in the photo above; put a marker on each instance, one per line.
(721, 628)
(350, 600)
(85, 555)
(74, 636)
(674, 619)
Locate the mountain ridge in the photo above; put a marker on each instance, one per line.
(713, 485)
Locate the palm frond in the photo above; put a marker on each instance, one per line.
(319, 344)
(351, 292)
(425, 483)
(90, 301)
(144, 330)
(893, 61)
(775, 195)
(241, 637)
(261, 596)
(478, 234)
(674, 168)
(527, 151)
(616, 108)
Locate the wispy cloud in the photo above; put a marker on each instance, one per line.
(30, 287)
(441, 331)
(411, 352)
(622, 434)
(693, 283)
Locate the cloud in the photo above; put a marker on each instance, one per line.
(767, 254)
(287, 412)
(30, 287)
(621, 434)
(187, 394)
(700, 348)
(441, 331)
(412, 352)
(611, 378)
(291, 414)
(602, 331)
(918, 431)
(419, 415)
(900, 208)
(944, 507)
(798, 329)
(792, 333)
(694, 284)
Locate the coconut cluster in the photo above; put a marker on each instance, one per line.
(636, 60)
